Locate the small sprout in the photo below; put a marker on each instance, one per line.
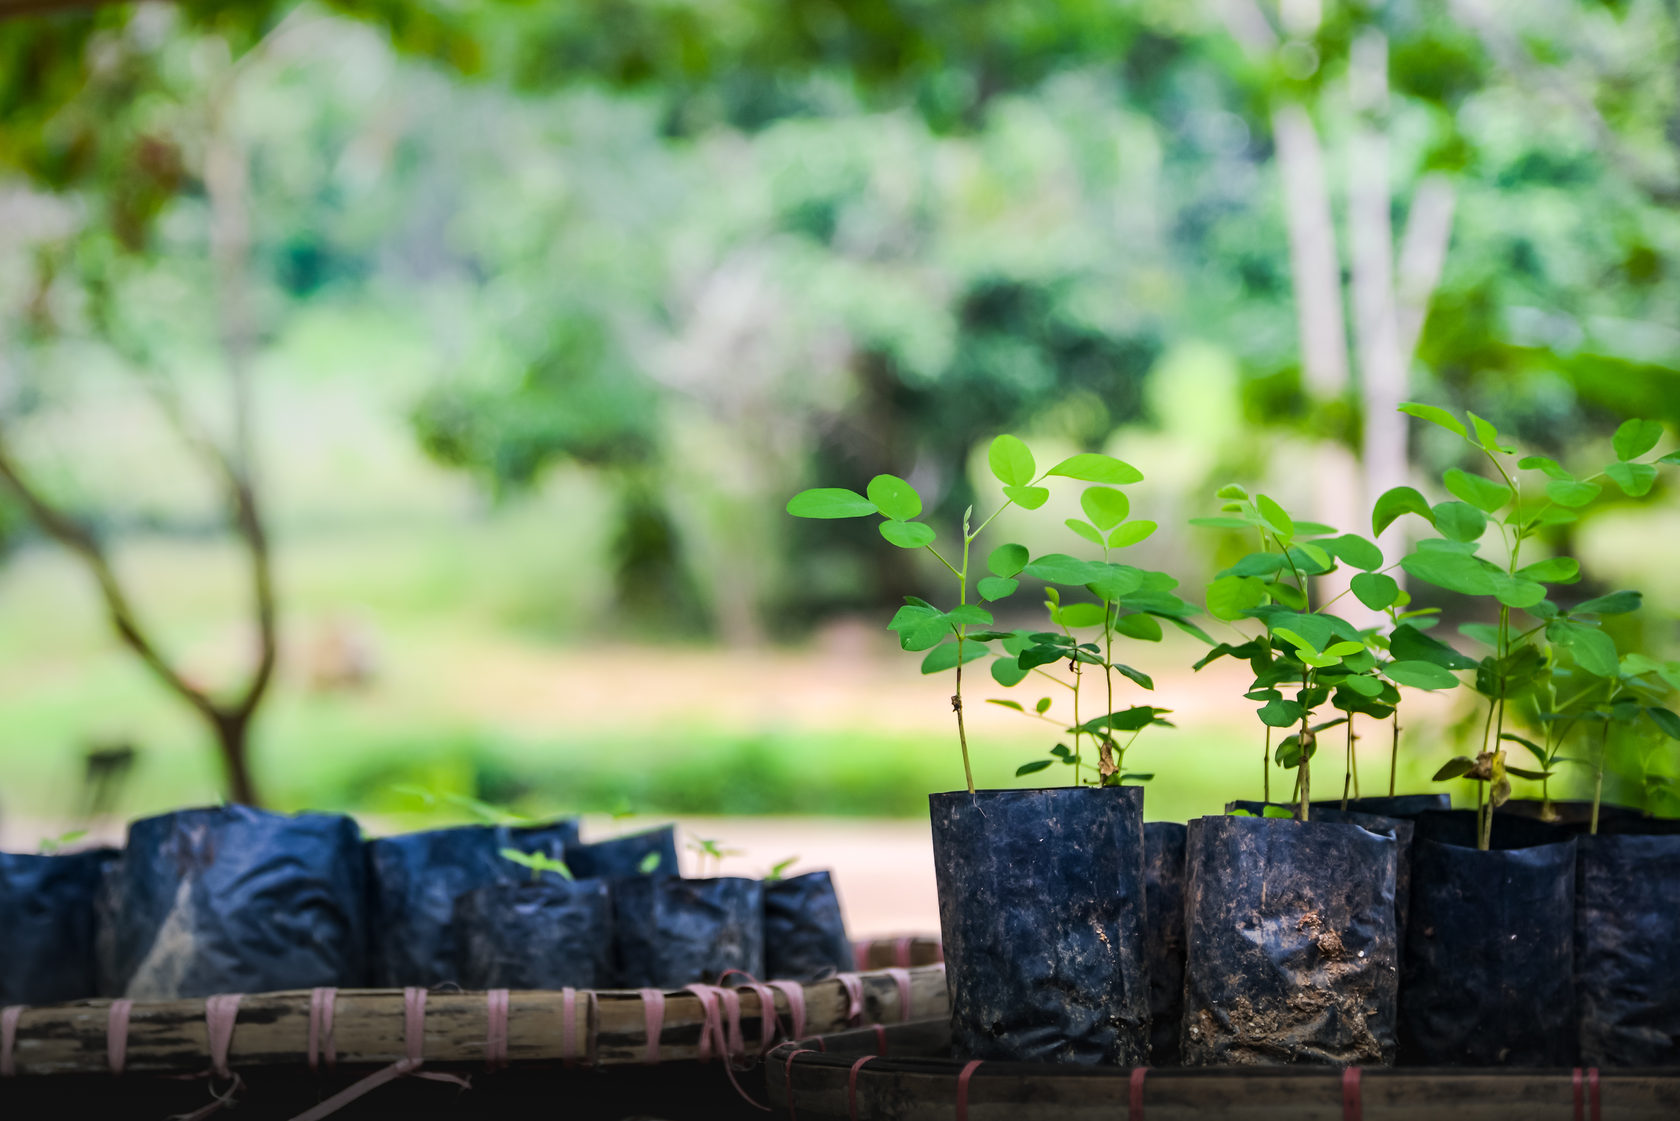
(778, 871)
(53, 845)
(538, 863)
(649, 863)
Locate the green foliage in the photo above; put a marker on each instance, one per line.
(538, 863)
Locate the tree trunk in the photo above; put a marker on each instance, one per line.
(233, 742)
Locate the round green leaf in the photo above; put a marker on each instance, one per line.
(1059, 568)
(1007, 560)
(1280, 713)
(1460, 521)
(1356, 551)
(1092, 467)
(1105, 506)
(1008, 672)
(944, 656)
(1484, 494)
(1487, 436)
(1636, 437)
(1145, 628)
(829, 502)
(1593, 650)
(1077, 615)
(1419, 675)
(1086, 530)
(907, 535)
(1515, 592)
(1546, 464)
(1393, 503)
(1276, 517)
(1436, 416)
(1375, 590)
(996, 587)
(895, 498)
(1616, 603)
(1552, 570)
(1231, 490)
(1029, 498)
(1032, 768)
(1130, 534)
(1453, 571)
(1572, 494)
(1635, 479)
(1232, 597)
(1011, 461)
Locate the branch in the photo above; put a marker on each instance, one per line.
(61, 528)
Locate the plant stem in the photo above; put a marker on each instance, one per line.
(1266, 767)
(1394, 753)
(1347, 772)
(956, 698)
(1598, 777)
(1304, 807)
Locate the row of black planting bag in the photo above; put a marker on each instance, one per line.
(234, 899)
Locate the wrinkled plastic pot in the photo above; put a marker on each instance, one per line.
(1041, 903)
(804, 933)
(47, 926)
(553, 839)
(1163, 944)
(1292, 951)
(1488, 970)
(1404, 806)
(622, 857)
(672, 932)
(414, 880)
(1627, 951)
(541, 934)
(1510, 831)
(233, 899)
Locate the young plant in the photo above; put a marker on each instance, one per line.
(946, 635)
(538, 863)
(1320, 657)
(52, 846)
(706, 850)
(1129, 603)
(649, 863)
(1528, 620)
(778, 870)
(482, 812)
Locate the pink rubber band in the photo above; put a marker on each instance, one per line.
(323, 1003)
(851, 1086)
(568, 1025)
(414, 1046)
(1592, 1094)
(496, 1028)
(1580, 1111)
(853, 985)
(901, 952)
(220, 1013)
(8, 1038)
(1353, 1102)
(962, 1088)
(787, 1077)
(768, 1021)
(880, 1040)
(653, 1021)
(1135, 1112)
(795, 993)
(414, 1025)
(901, 977)
(116, 1034)
(860, 955)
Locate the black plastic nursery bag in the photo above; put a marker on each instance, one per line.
(549, 933)
(47, 925)
(1385, 805)
(804, 933)
(625, 856)
(553, 839)
(1163, 943)
(1041, 903)
(231, 899)
(413, 882)
(1487, 973)
(1627, 950)
(672, 932)
(1291, 946)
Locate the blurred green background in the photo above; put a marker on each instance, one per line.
(519, 323)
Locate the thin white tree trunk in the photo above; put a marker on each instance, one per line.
(1423, 256)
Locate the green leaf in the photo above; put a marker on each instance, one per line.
(920, 628)
(1086, 530)
(1320, 559)
(1635, 437)
(1008, 672)
(1105, 506)
(1419, 675)
(1408, 644)
(1375, 590)
(1552, 570)
(1453, 571)
(1280, 713)
(1032, 768)
(1572, 494)
(895, 498)
(1011, 461)
(1635, 479)
(1059, 568)
(1487, 436)
(1532, 776)
(1343, 649)
(1514, 592)
(1003, 702)
(1616, 603)
(1282, 525)
(1593, 650)
(1042, 706)
(1671, 458)
(1484, 494)
(1356, 550)
(1007, 560)
(1397, 501)
(1534, 749)
(1460, 521)
(829, 502)
(1115, 582)
(944, 656)
(1077, 615)
(1130, 534)
(1546, 464)
(1316, 630)
(907, 535)
(1091, 467)
(1364, 686)
(1145, 628)
(1231, 597)
(1028, 498)
(1435, 416)
(1665, 719)
(970, 615)
(1304, 645)
(1232, 491)
(996, 587)
(1257, 564)
(1456, 767)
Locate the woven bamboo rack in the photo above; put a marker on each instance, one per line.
(905, 1073)
(607, 1027)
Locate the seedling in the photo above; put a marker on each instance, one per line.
(538, 863)
(706, 850)
(778, 871)
(650, 863)
(52, 846)
(483, 812)
(921, 626)
(1321, 656)
(1520, 644)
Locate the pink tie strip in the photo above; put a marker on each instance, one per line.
(8, 1038)
(116, 1034)
(795, 993)
(769, 1022)
(901, 978)
(414, 1046)
(322, 1050)
(901, 952)
(653, 1021)
(851, 1086)
(962, 1088)
(221, 1012)
(496, 1029)
(853, 986)
(571, 1053)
